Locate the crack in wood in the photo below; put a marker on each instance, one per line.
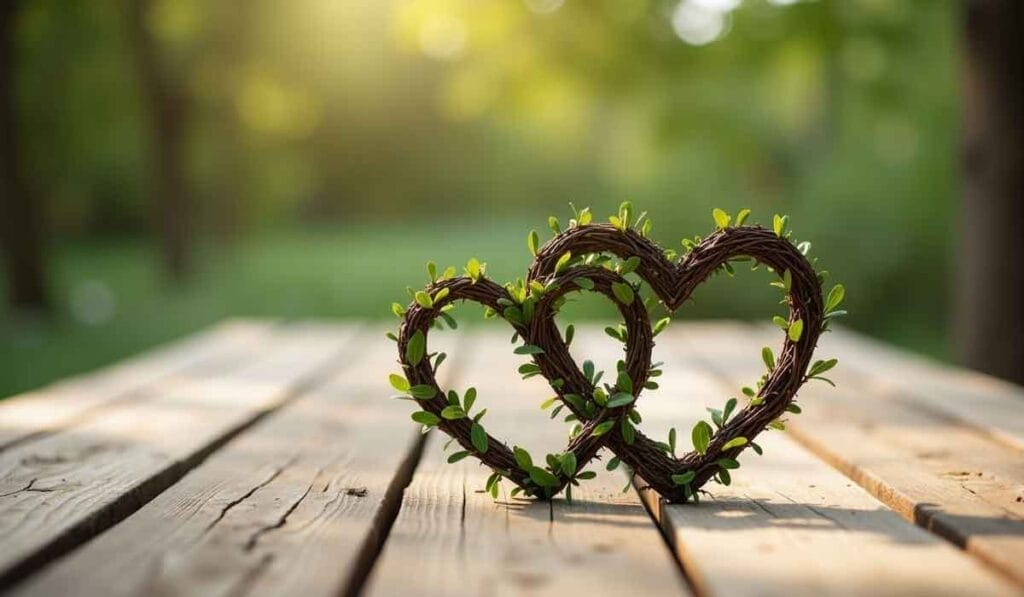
(254, 539)
(270, 479)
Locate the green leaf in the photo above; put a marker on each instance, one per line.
(554, 225)
(586, 475)
(453, 413)
(722, 219)
(528, 349)
(796, 330)
(457, 456)
(724, 476)
(629, 265)
(426, 418)
(440, 295)
(479, 438)
(424, 299)
(423, 392)
(613, 463)
(623, 382)
(781, 322)
(584, 283)
(672, 440)
(522, 458)
(728, 463)
(475, 269)
(623, 291)
(794, 408)
(701, 436)
(620, 399)
(820, 367)
(835, 297)
(570, 332)
(628, 431)
(542, 477)
(398, 382)
(397, 309)
(533, 242)
(734, 443)
(730, 405)
(742, 217)
(779, 224)
(414, 350)
(469, 399)
(661, 325)
(603, 428)
(768, 357)
(563, 261)
(569, 464)
(684, 478)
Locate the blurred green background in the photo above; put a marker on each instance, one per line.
(313, 154)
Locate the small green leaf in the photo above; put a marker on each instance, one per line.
(684, 478)
(701, 436)
(722, 219)
(623, 382)
(426, 418)
(570, 332)
(584, 283)
(768, 357)
(620, 399)
(724, 476)
(661, 325)
(479, 438)
(397, 309)
(554, 225)
(533, 242)
(613, 463)
(528, 349)
(563, 261)
(629, 266)
(414, 350)
(569, 464)
(628, 431)
(603, 428)
(547, 403)
(796, 330)
(779, 224)
(820, 367)
(475, 269)
(424, 299)
(440, 295)
(469, 399)
(672, 440)
(398, 382)
(835, 297)
(623, 291)
(457, 456)
(742, 217)
(734, 443)
(453, 413)
(728, 463)
(423, 392)
(522, 458)
(542, 477)
(781, 322)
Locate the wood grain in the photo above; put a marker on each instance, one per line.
(60, 491)
(927, 464)
(451, 539)
(788, 523)
(293, 506)
(44, 411)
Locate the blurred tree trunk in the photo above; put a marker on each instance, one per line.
(989, 322)
(22, 226)
(166, 104)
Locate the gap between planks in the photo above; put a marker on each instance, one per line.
(63, 489)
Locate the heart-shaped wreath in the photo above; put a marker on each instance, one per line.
(598, 258)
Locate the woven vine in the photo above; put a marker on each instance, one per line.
(615, 260)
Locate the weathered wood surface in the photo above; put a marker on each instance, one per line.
(790, 524)
(451, 539)
(66, 487)
(37, 413)
(296, 506)
(235, 462)
(952, 476)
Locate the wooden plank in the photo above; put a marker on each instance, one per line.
(38, 413)
(788, 524)
(450, 539)
(294, 506)
(991, 404)
(59, 491)
(932, 468)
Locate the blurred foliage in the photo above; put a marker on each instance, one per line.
(362, 138)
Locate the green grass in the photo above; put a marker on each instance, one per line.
(355, 271)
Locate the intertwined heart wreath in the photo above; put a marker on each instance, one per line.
(589, 257)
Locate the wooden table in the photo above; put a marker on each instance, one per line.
(267, 458)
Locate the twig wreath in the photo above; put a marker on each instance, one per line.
(614, 259)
